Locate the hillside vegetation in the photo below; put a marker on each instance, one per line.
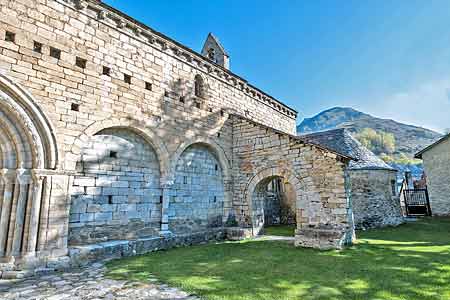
(382, 136)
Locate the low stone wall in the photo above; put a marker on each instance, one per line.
(82, 255)
(373, 200)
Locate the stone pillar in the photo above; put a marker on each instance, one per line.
(35, 197)
(44, 214)
(8, 191)
(17, 236)
(165, 190)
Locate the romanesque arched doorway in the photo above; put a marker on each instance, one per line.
(116, 193)
(27, 153)
(273, 202)
(198, 194)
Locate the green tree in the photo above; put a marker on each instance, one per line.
(378, 142)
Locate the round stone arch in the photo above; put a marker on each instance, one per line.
(212, 145)
(225, 165)
(146, 133)
(274, 172)
(33, 128)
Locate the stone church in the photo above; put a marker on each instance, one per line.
(118, 140)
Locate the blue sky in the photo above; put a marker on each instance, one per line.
(387, 58)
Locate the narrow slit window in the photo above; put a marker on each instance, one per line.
(55, 53)
(127, 78)
(80, 62)
(199, 86)
(10, 36)
(110, 199)
(106, 71)
(75, 107)
(37, 47)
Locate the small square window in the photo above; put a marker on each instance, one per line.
(55, 53)
(106, 71)
(113, 154)
(37, 47)
(148, 86)
(10, 36)
(210, 109)
(75, 107)
(166, 94)
(80, 62)
(198, 105)
(182, 99)
(127, 78)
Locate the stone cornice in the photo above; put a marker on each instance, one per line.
(112, 17)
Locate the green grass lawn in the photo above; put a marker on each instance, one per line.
(280, 230)
(404, 263)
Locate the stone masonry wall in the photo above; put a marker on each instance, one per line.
(373, 202)
(82, 70)
(436, 162)
(317, 175)
(118, 194)
(198, 194)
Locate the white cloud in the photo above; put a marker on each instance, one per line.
(426, 105)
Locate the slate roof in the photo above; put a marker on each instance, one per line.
(419, 154)
(342, 142)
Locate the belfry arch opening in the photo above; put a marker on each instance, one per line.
(273, 204)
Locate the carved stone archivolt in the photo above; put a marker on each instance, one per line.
(28, 153)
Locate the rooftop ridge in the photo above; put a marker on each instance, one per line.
(126, 24)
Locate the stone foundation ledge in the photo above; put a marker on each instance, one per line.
(323, 239)
(238, 233)
(85, 254)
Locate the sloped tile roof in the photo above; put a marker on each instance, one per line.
(342, 142)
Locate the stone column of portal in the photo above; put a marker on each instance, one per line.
(23, 182)
(8, 191)
(166, 189)
(35, 195)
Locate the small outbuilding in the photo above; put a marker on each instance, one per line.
(374, 195)
(436, 163)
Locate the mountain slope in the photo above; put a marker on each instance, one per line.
(409, 139)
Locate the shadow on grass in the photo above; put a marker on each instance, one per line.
(408, 262)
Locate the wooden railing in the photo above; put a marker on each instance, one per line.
(417, 202)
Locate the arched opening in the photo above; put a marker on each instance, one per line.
(116, 194)
(273, 204)
(197, 199)
(27, 148)
(199, 86)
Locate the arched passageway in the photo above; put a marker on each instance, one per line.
(116, 194)
(273, 203)
(197, 197)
